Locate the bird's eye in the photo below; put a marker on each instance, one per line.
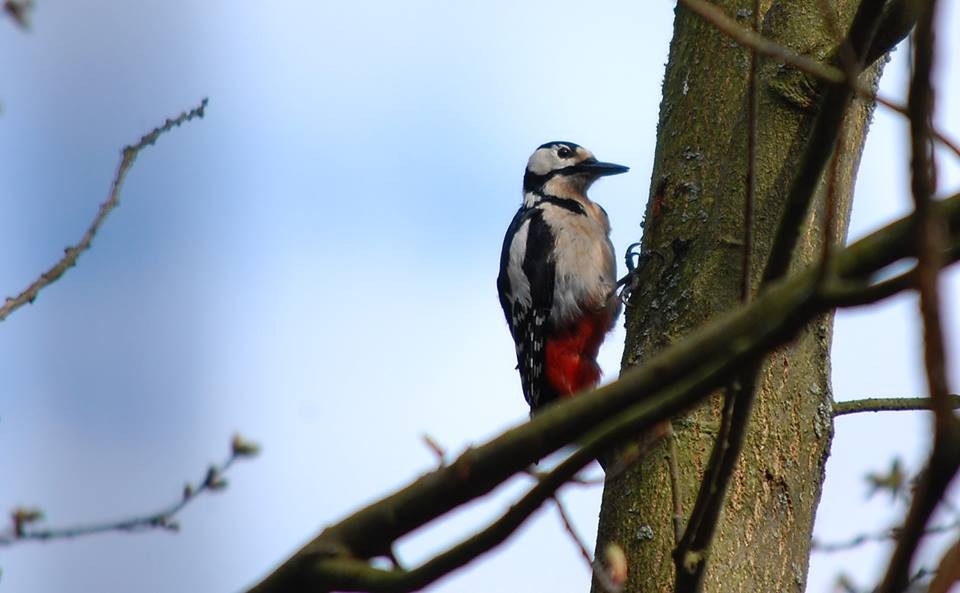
(564, 152)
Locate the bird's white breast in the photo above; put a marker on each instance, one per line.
(584, 258)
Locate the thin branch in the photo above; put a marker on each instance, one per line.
(750, 193)
(944, 459)
(692, 553)
(575, 480)
(830, 204)
(213, 481)
(693, 541)
(599, 572)
(929, 231)
(71, 254)
(888, 404)
(831, 110)
(849, 62)
(676, 497)
(752, 39)
(669, 383)
(823, 71)
(937, 135)
(436, 448)
(884, 535)
(861, 291)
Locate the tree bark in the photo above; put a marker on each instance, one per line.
(694, 220)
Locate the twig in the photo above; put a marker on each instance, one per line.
(436, 448)
(888, 404)
(749, 199)
(213, 481)
(575, 480)
(599, 572)
(830, 204)
(694, 548)
(937, 135)
(71, 254)
(890, 533)
(676, 495)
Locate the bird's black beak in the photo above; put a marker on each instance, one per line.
(599, 169)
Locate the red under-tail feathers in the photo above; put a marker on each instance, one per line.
(571, 355)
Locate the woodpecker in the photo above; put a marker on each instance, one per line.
(558, 275)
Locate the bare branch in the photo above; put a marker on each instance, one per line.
(692, 552)
(676, 497)
(884, 535)
(24, 520)
(831, 201)
(937, 135)
(750, 191)
(599, 572)
(888, 404)
(929, 232)
(71, 254)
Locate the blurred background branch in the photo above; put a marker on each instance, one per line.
(26, 520)
(71, 254)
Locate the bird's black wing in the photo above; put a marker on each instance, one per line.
(529, 322)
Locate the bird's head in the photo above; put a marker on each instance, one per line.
(565, 169)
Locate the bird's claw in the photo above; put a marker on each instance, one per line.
(636, 260)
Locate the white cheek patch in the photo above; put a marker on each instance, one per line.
(519, 284)
(543, 161)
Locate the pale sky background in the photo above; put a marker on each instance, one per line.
(313, 265)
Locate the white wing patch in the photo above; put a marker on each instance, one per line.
(519, 284)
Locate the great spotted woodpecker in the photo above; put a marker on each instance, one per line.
(557, 274)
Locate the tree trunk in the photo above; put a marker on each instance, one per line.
(694, 219)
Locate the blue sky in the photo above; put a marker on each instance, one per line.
(313, 265)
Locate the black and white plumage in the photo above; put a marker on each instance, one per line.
(558, 273)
